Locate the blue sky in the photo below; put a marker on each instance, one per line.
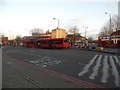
(17, 17)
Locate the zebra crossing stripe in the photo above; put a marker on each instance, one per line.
(117, 60)
(96, 68)
(115, 72)
(86, 68)
(105, 70)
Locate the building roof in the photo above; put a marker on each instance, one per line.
(58, 29)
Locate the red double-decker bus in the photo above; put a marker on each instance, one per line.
(31, 41)
(109, 40)
(54, 43)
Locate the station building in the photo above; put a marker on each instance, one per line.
(3, 40)
(59, 33)
(56, 33)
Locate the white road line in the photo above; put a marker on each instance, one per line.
(105, 69)
(96, 68)
(86, 68)
(117, 60)
(115, 72)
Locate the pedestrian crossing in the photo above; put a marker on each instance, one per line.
(106, 62)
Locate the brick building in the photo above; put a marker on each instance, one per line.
(4, 40)
(59, 33)
(56, 33)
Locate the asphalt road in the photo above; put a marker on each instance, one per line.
(59, 68)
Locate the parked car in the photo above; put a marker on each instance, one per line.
(93, 45)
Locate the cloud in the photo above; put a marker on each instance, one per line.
(74, 22)
(2, 4)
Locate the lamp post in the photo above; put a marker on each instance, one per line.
(110, 21)
(58, 22)
(10, 35)
(110, 27)
(28, 31)
(85, 34)
(74, 31)
(85, 30)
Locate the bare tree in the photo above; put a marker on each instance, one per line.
(18, 39)
(47, 31)
(36, 31)
(116, 23)
(105, 30)
(74, 30)
(90, 38)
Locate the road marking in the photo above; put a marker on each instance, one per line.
(105, 69)
(96, 68)
(86, 68)
(117, 60)
(81, 63)
(9, 62)
(115, 72)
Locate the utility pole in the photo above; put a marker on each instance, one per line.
(85, 30)
(74, 29)
(110, 28)
(58, 22)
(85, 34)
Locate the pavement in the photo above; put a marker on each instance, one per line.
(104, 50)
(112, 50)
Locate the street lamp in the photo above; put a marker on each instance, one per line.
(85, 30)
(110, 21)
(110, 27)
(10, 35)
(85, 36)
(58, 22)
(28, 31)
(74, 31)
